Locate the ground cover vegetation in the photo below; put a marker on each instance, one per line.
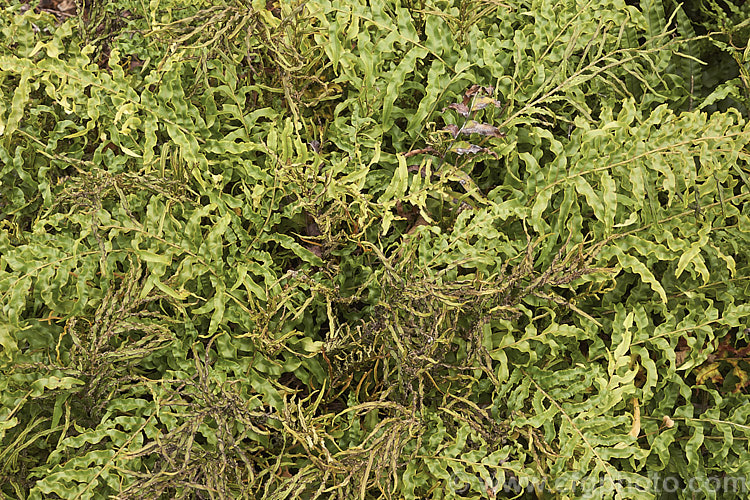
(400, 250)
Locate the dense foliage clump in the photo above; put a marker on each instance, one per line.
(418, 249)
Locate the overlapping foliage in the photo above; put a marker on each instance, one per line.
(373, 250)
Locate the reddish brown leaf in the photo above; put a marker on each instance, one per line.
(681, 352)
(461, 109)
(478, 89)
(474, 127)
(483, 102)
(464, 148)
(453, 129)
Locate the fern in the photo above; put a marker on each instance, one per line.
(372, 250)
